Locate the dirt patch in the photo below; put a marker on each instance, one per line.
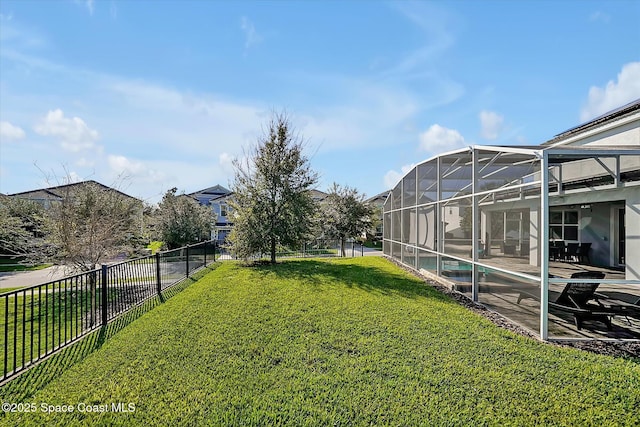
(629, 350)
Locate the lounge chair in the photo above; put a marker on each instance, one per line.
(576, 299)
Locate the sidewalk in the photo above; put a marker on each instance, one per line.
(15, 279)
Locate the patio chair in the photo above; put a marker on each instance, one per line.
(571, 254)
(575, 299)
(583, 252)
(556, 250)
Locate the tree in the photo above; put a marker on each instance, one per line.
(181, 220)
(345, 214)
(272, 204)
(91, 223)
(21, 229)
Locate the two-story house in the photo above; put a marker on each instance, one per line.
(217, 198)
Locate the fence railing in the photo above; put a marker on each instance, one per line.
(316, 248)
(41, 319)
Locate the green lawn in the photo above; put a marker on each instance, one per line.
(329, 342)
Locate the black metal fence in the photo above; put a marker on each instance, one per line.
(316, 248)
(41, 319)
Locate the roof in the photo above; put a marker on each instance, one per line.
(221, 197)
(620, 112)
(215, 191)
(318, 194)
(58, 190)
(382, 196)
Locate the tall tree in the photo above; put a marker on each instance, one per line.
(181, 220)
(345, 214)
(272, 204)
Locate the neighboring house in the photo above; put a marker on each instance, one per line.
(318, 195)
(205, 196)
(222, 209)
(217, 198)
(503, 223)
(45, 196)
(377, 202)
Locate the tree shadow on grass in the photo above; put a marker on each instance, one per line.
(368, 278)
(27, 384)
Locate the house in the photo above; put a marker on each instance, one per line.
(318, 195)
(46, 196)
(377, 201)
(221, 206)
(205, 196)
(502, 222)
(217, 198)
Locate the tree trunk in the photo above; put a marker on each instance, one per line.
(273, 250)
(342, 251)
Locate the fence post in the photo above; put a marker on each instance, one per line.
(187, 259)
(104, 295)
(158, 277)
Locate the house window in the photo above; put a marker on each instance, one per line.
(563, 225)
(223, 210)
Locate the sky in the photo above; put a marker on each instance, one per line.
(150, 95)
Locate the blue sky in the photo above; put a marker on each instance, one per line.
(167, 93)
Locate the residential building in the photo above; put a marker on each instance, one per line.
(46, 196)
(532, 232)
(217, 198)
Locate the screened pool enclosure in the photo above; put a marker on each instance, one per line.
(547, 236)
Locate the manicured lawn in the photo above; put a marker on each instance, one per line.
(331, 342)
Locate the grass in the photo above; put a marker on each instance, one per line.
(50, 315)
(5, 290)
(6, 268)
(328, 342)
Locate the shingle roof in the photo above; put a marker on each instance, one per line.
(57, 191)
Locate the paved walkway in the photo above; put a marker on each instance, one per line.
(15, 279)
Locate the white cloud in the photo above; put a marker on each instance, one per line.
(491, 123)
(438, 138)
(614, 94)
(392, 177)
(251, 36)
(74, 134)
(122, 165)
(10, 132)
(600, 16)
